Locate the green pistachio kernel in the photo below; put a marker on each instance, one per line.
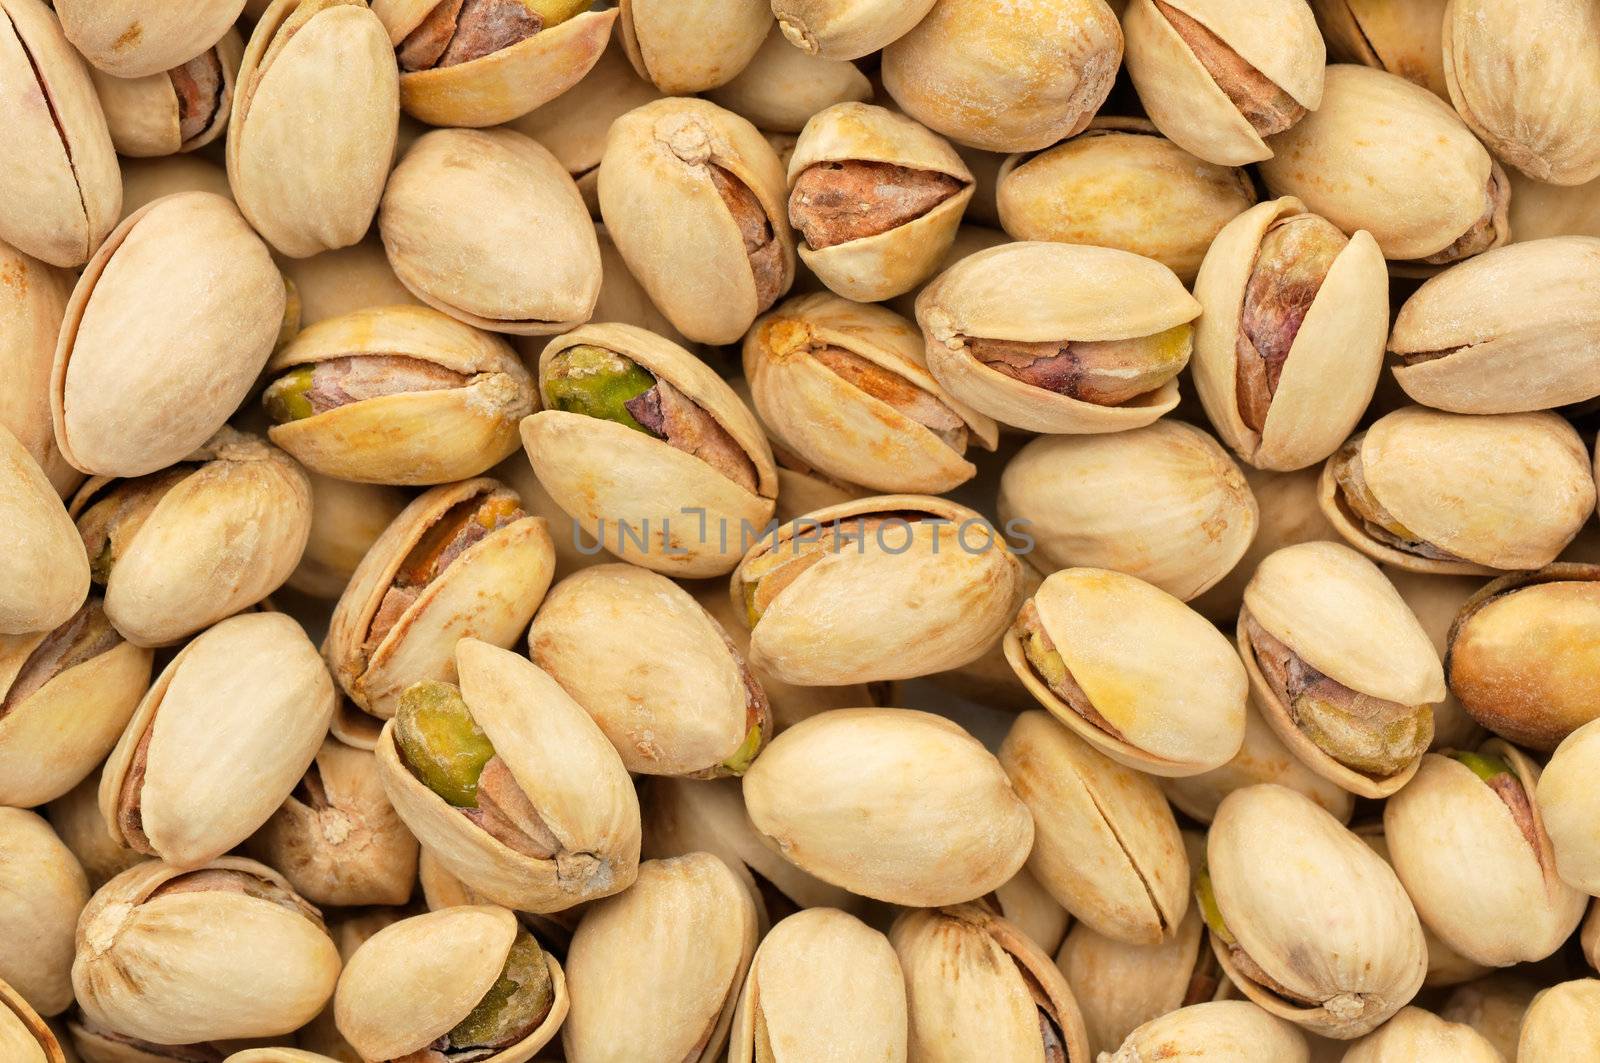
(596, 383)
(515, 1005)
(1484, 765)
(1374, 737)
(286, 399)
(1206, 898)
(555, 12)
(745, 755)
(440, 741)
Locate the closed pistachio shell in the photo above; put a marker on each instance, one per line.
(42, 891)
(1224, 1031)
(149, 116)
(24, 1036)
(784, 85)
(1493, 1006)
(688, 50)
(1446, 966)
(971, 237)
(44, 576)
(346, 519)
(133, 38)
(1567, 804)
(1415, 1034)
(77, 821)
(1561, 1023)
(846, 29)
(31, 309)
(338, 282)
(1400, 36)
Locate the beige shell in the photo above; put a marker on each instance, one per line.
(1505, 491)
(563, 764)
(142, 113)
(1390, 157)
(1589, 937)
(891, 263)
(1567, 804)
(146, 180)
(844, 796)
(656, 972)
(1036, 291)
(843, 430)
(232, 724)
(929, 589)
(988, 678)
(413, 981)
(847, 29)
(44, 574)
(278, 1055)
(1333, 363)
(334, 283)
(672, 226)
(1446, 966)
(185, 277)
(31, 309)
(441, 889)
(1400, 36)
(1561, 1024)
(783, 85)
(1436, 600)
(1493, 1006)
(684, 49)
(1224, 1031)
(1019, 82)
(77, 820)
(1164, 503)
(1539, 210)
(574, 548)
(346, 519)
(134, 38)
(1513, 329)
(1273, 857)
(488, 593)
(1415, 1034)
(24, 1036)
(1025, 903)
(42, 891)
(231, 965)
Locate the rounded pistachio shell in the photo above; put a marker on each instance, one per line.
(1400, 36)
(1446, 966)
(44, 572)
(1387, 156)
(655, 972)
(784, 85)
(1037, 291)
(186, 277)
(146, 180)
(1539, 210)
(279, 1055)
(231, 965)
(1571, 808)
(1164, 503)
(1220, 1031)
(24, 1036)
(42, 891)
(346, 519)
(1562, 1023)
(1494, 1006)
(1027, 904)
(843, 796)
(142, 113)
(1119, 986)
(1436, 600)
(58, 169)
(133, 38)
(1154, 669)
(31, 309)
(481, 273)
(1333, 364)
(1415, 1034)
(1519, 327)
(687, 49)
(233, 723)
(847, 29)
(1273, 857)
(413, 981)
(339, 282)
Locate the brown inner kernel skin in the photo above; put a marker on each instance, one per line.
(898, 392)
(836, 202)
(1510, 790)
(1036, 642)
(1264, 105)
(671, 415)
(1104, 372)
(85, 636)
(198, 84)
(1376, 521)
(459, 31)
(1205, 979)
(505, 812)
(342, 381)
(1481, 236)
(224, 880)
(755, 228)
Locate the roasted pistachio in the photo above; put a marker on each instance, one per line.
(687, 50)
(42, 892)
(174, 110)
(1561, 1023)
(1567, 806)
(134, 38)
(31, 308)
(847, 29)
(44, 575)
(24, 1036)
(1400, 36)
(1224, 1030)
(1493, 1006)
(783, 85)
(77, 821)
(346, 519)
(1446, 966)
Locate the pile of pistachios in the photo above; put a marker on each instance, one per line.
(799, 531)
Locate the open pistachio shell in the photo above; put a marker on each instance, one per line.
(174, 110)
(847, 29)
(783, 86)
(44, 574)
(186, 277)
(24, 1036)
(1228, 1031)
(1400, 36)
(1561, 1024)
(1284, 291)
(135, 38)
(1567, 801)
(684, 50)
(42, 892)
(31, 310)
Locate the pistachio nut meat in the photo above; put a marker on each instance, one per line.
(511, 785)
(462, 560)
(1059, 338)
(847, 29)
(694, 196)
(483, 62)
(346, 519)
(882, 588)
(24, 1036)
(1222, 1029)
(1560, 1022)
(974, 979)
(44, 572)
(1567, 805)
(42, 892)
(241, 954)
(1290, 345)
(687, 50)
(846, 386)
(1400, 36)
(31, 310)
(649, 451)
(1271, 857)
(180, 109)
(58, 168)
(783, 86)
(877, 198)
(464, 982)
(1458, 494)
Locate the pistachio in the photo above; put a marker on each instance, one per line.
(1561, 1021)
(77, 821)
(1436, 600)
(45, 574)
(174, 110)
(42, 892)
(783, 85)
(31, 309)
(1028, 905)
(1224, 1029)
(684, 51)
(1446, 966)
(24, 1036)
(1565, 799)
(135, 38)
(346, 519)
(842, 29)
(1400, 36)
(1493, 1006)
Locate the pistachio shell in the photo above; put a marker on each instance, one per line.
(1446, 966)
(346, 519)
(45, 574)
(31, 309)
(688, 50)
(278, 1055)
(846, 29)
(1436, 600)
(77, 820)
(1400, 36)
(143, 113)
(1539, 210)
(1224, 1031)
(783, 85)
(146, 180)
(133, 38)
(1028, 905)
(334, 283)
(42, 891)
(1567, 804)
(1590, 936)
(1493, 1006)
(1561, 1024)
(24, 1036)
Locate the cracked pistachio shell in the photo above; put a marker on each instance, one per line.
(1388, 156)
(24, 1036)
(1400, 36)
(1446, 966)
(1333, 361)
(563, 764)
(135, 38)
(847, 29)
(930, 588)
(1164, 503)
(1513, 329)
(42, 891)
(489, 593)
(346, 519)
(1562, 1023)
(32, 304)
(1316, 910)
(1106, 844)
(1436, 600)
(1477, 881)
(1156, 671)
(655, 972)
(58, 169)
(1501, 491)
(674, 229)
(1414, 1034)
(77, 821)
(58, 723)
(978, 988)
(185, 276)
(1277, 40)
(684, 49)
(233, 965)
(412, 982)
(223, 538)
(891, 263)
(792, 1007)
(44, 572)
(1037, 291)
(474, 264)
(852, 432)
(219, 741)
(142, 113)
(1570, 807)
(1222, 1031)
(311, 186)
(784, 85)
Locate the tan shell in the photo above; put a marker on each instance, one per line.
(44, 574)
(686, 49)
(1590, 936)
(142, 113)
(1024, 902)
(1436, 600)
(42, 890)
(1036, 291)
(783, 86)
(59, 174)
(1333, 364)
(1417, 1034)
(846, 29)
(670, 223)
(77, 820)
(24, 1036)
(146, 180)
(1228, 1031)
(1561, 1024)
(1164, 503)
(655, 972)
(340, 282)
(1400, 36)
(186, 277)
(414, 980)
(1506, 491)
(1539, 210)
(346, 519)
(134, 38)
(842, 795)
(1446, 966)
(31, 309)
(1567, 803)
(969, 240)
(574, 548)
(1493, 1006)
(1518, 328)
(232, 965)
(279, 1055)
(1273, 856)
